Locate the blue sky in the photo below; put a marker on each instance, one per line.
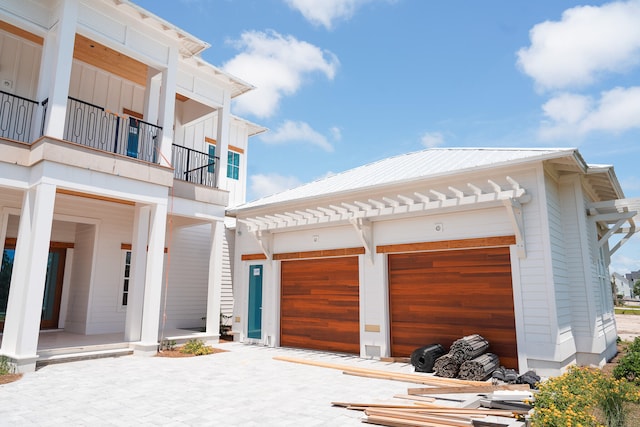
(341, 83)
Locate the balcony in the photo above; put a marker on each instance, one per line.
(93, 126)
(16, 117)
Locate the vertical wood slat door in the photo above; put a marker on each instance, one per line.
(438, 297)
(319, 306)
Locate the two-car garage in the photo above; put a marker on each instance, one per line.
(434, 297)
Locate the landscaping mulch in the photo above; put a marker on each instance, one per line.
(9, 378)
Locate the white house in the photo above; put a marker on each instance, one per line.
(427, 247)
(622, 285)
(119, 156)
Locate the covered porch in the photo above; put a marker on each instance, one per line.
(59, 346)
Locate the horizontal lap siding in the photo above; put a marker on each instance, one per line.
(320, 304)
(438, 297)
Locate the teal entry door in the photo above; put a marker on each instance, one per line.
(254, 318)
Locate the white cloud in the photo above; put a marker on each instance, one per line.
(571, 115)
(326, 12)
(432, 139)
(264, 185)
(587, 42)
(336, 133)
(291, 131)
(277, 66)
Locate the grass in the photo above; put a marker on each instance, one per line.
(624, 310)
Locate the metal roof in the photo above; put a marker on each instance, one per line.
(405, 168)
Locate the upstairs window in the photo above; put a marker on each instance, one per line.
(233, 165)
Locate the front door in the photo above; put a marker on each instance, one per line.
(254, 318)
(52, 288)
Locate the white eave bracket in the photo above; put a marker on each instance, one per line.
(514, 210)
(264, 239)
(365, 234)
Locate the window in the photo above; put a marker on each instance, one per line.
(212, 159)
(126, 275)
(233, 165)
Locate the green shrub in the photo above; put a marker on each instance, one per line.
(629, 365)
(196, 347)
(5, 366)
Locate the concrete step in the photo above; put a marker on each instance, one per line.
(71, 354)
(81, 349)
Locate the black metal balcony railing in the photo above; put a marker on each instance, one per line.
(16, 117)
(93, 126)
(194, 166)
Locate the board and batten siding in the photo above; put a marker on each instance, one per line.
(95, 86)
(19, 64)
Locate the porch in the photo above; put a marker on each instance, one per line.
(60, 346)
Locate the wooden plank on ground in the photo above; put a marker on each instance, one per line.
(413, 378)
(485, 388)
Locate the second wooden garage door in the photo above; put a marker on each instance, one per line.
(438, 297)
(319, 306)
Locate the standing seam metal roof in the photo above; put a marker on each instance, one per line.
(411, 166)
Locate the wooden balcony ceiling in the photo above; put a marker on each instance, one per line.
(109, 60)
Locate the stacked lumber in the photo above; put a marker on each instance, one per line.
(469, 347)
(446, 366)
(480, 368)
(423, 410)
(467, 359)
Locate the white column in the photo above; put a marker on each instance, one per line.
(24, 308)
(4, 222)
(166, 114)
(214, 290)
(222, 141)
(152, 96)
(153, 279)
(133, 322)
(55, 69)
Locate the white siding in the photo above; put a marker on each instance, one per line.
(226, 301)
(76, 319)
(92, 85)
(19, 64)
(557, 239)
(188, 272)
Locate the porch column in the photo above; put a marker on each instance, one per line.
(166, 114)
(152, 96)
(214, 288)
(133, 322)
(55, 68)
(222, 138)
(24, 307)
(153, 281)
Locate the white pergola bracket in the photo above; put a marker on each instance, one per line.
(365, 234)
(514, 210)
(264, 239)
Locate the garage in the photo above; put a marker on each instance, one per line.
(440, 296)
(319, 306)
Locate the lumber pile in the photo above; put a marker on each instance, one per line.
(469, 347)
(417, 408)
(467, 359)
(480, 368)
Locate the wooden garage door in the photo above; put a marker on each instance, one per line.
(438, 297)
(319, 306)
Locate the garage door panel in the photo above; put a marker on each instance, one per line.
(438, 297)
(320, 304)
